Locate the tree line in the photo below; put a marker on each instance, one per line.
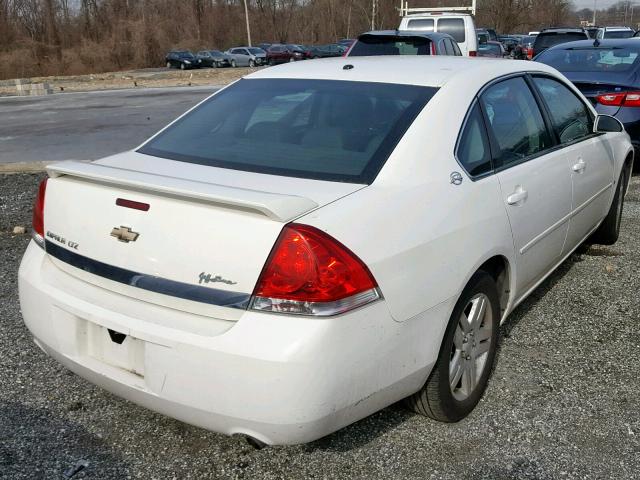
(57, 37)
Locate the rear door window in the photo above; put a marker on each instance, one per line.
(425, 24)
(473, 151)
(454, 27)
(514, 121)
(571, 118)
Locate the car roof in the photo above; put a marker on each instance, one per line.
(407, 33)
(613, 42)
(617, 28)
(431, 71)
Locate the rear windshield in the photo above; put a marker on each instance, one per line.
(546, 40)
(318, 129)
(592, 59)
(618, 34)
(369, 45)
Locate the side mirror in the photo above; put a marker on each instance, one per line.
(607, 124)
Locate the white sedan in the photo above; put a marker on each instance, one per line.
(320, 240)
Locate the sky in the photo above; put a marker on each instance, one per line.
(589, 3)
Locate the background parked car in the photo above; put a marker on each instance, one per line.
(508, 42)
(324, 51)
(524, 50)
(489, 32)
(299, 52)
(395, 42)
(182, 59)
(614, 32)
(554, 36)
(608, 74)
(278, 53)
(592, 31)
(491, 49)
(247, 56)
(213, 58)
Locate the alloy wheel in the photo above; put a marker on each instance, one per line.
(471, 345)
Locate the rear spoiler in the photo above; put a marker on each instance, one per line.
(282, 208)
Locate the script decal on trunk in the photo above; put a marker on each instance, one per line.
(208, 278)
(62, 240)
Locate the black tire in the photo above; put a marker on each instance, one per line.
(609, 230)
(271, 62)
(436, 399)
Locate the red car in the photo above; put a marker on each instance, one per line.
(279, 54)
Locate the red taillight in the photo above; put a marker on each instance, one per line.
(38, 212)
(619, 99)
(309, 272)
(473, 53)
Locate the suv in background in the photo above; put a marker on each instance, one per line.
(395, 42)
(553, 36)
(459, 25)
(607, 33)
(182, 59)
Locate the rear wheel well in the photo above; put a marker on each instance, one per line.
(628, 167)
(498, 268)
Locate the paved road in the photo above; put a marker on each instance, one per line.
(86, 126)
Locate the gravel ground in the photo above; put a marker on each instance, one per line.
(562, 402)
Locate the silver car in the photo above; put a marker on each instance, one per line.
(247, 56)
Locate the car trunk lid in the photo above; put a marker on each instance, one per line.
(197, 241)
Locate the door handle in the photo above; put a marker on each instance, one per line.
(518, 196)
(579, 167)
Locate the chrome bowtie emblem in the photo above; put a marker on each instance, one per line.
(455, 178)
(124, 234)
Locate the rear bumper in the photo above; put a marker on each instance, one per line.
(280, 379)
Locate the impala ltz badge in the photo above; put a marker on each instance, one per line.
(124, 234)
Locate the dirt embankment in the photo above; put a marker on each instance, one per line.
(150, 77)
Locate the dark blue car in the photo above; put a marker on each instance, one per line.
(607, 72)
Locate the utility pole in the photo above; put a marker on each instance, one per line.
(594, 12)
(374, 8)
(246, 15)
